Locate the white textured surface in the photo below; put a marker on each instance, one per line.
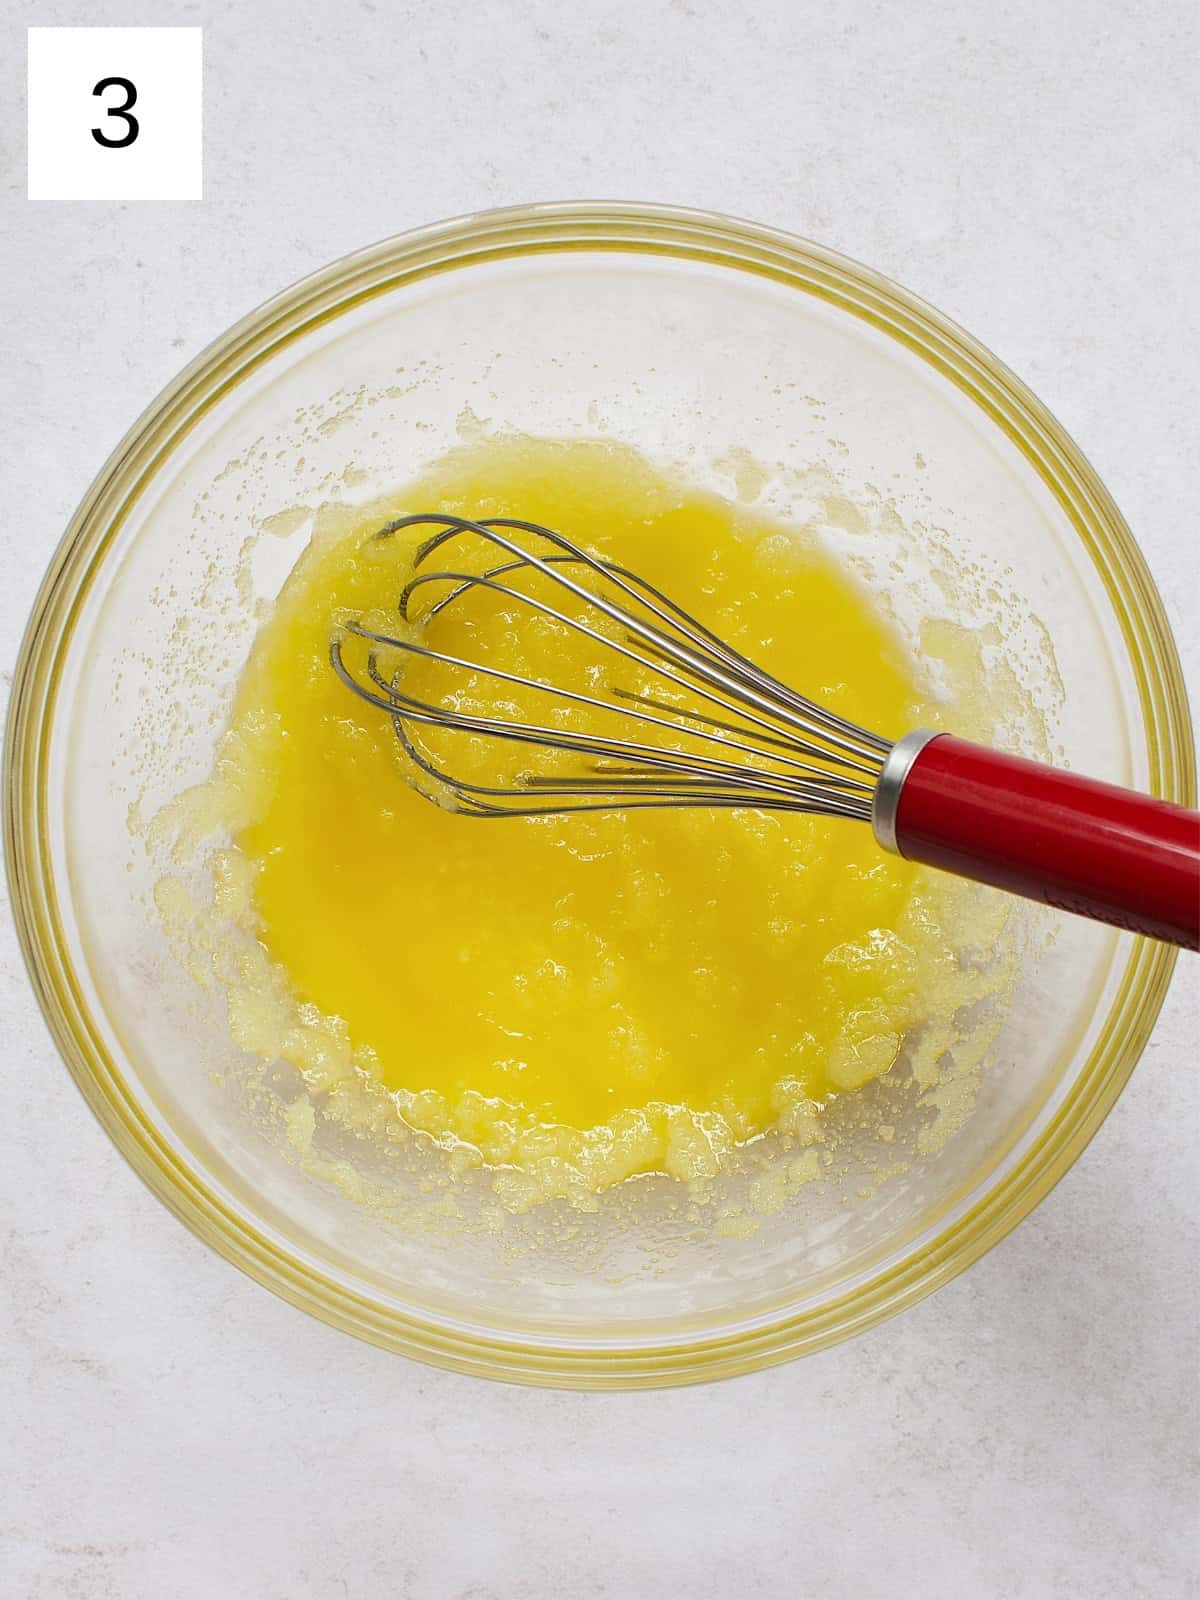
(172, 1431)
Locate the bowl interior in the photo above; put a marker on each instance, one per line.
(743, 379)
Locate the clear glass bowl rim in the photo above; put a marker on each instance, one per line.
(77, 564)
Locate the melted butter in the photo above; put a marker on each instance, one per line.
(586, 998)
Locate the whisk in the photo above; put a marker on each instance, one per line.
(678, 717)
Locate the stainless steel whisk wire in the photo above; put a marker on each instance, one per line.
(823, 764)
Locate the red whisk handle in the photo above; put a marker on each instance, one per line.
(1104, 852)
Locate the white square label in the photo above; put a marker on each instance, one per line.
(115, 113)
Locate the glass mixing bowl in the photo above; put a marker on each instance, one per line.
(696, 338)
